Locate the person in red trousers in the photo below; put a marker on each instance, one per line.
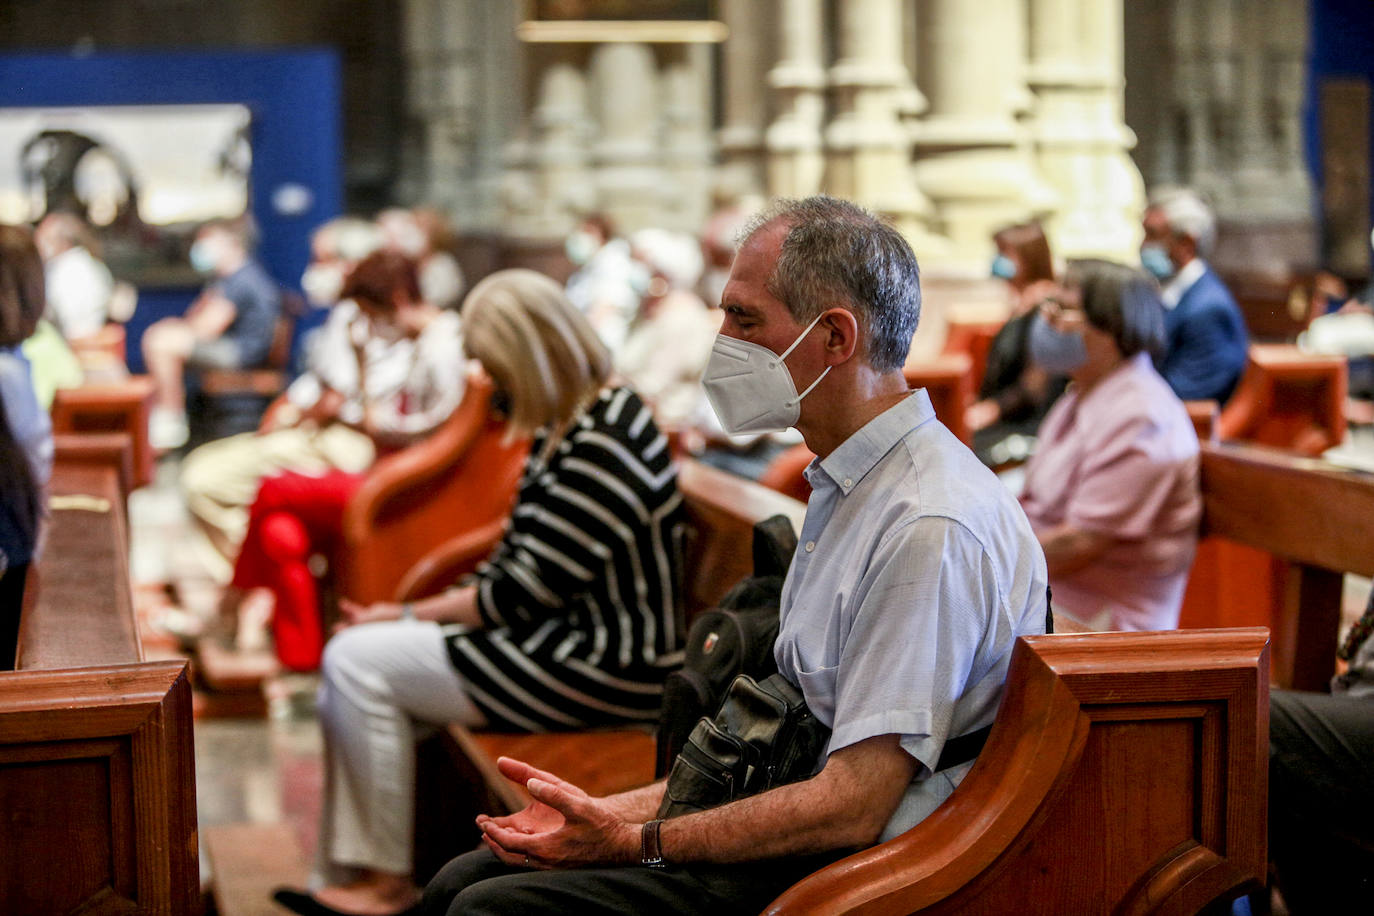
(295, 515)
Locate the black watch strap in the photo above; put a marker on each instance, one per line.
(650, 847)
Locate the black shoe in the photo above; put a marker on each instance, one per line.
(306, 905)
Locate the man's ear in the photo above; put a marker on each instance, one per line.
(841, 330)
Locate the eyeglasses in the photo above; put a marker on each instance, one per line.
(1053, 309)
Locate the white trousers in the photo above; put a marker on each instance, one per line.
(379, 681)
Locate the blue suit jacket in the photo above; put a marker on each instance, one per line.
(1207, 344)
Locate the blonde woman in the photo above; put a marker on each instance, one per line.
(573, 620)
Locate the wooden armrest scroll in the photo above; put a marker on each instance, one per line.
(1093, 732)
(455, 557)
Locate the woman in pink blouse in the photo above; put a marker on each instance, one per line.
(1112, 490)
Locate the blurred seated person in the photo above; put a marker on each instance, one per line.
(409, 383)
(52, 361)
(1015, 393)
(79, 284)
(572, 622)
(1346, 328)
(317, 428)
(1112, 489)
(1321, 770)
(425, 236)
(1206, 345)
(670, 340)
(608, 284)
(230, 325)
(26, 443)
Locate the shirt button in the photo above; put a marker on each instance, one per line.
(810, 546)
(848, 482)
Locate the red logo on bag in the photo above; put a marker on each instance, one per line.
(710, 644)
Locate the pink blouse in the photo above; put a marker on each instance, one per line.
(1121, 460)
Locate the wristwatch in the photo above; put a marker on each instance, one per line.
(650, 850)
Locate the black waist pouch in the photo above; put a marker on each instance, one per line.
(763, 736)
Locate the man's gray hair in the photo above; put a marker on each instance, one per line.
(836, 253)
(1187, 214)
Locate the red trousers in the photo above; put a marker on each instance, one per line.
(293, 517)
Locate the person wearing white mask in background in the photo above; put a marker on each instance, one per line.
(608, 283)
(915, 574)
(230, 325)
(669, 342)
(220, 479)
(424, 235)
(1206, 344)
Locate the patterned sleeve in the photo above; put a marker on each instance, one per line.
(579, 528)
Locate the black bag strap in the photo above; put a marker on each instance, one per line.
(963, 748)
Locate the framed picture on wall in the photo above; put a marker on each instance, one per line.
(142, 176)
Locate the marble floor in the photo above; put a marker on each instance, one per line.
(268, 768)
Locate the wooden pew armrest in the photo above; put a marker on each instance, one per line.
(1059, 688)
(455, 557)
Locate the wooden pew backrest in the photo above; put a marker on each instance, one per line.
(1126, 773)
(1289, 399)
(949, 381)
(111, 407)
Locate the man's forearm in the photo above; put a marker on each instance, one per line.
(638, 805)
(1069, 549)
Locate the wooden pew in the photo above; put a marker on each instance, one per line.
(1314, 520)
(1126, 773)
(111, 407)
(722, 510)
(97, 778)
(1287, 398)
(948, 379)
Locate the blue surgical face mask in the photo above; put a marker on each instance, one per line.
(1057, 352)
(1155, 259)
(1003, 267)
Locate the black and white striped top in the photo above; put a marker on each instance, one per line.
(581, 598)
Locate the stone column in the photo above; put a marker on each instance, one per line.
(745, 59)
(688, 149)
(795, 162)
(1080, 137)
(625, 153)
(558, 158)
(971, 160)
(868, 148)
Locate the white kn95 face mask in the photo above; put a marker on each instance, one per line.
(750, 388)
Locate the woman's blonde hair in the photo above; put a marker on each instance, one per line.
(535, 345)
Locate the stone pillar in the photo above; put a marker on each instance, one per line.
(745, 59)
(868, 148)
(1080, 138)
(795, 162)
(688, 149)
(971, 160)
(558, 158)
(625, 154)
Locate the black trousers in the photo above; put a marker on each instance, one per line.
(1321, 800)
(479, 883)
(11, 604)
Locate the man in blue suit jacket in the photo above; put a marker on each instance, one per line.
(1207, 343)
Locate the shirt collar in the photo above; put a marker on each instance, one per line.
(1178, 286)
(858, 454)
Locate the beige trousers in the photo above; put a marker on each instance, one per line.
(220, 479)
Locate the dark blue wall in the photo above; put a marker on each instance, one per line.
(294, 100)
(1341, 45)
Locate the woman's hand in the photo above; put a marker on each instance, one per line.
(982, 415)
(355, 613)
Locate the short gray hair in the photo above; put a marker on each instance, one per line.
(1187, 214)
(837, 253)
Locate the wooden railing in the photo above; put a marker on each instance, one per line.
(97, 778)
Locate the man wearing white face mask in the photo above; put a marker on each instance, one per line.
(915, 573)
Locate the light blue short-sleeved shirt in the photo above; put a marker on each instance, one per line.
(915, 573)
